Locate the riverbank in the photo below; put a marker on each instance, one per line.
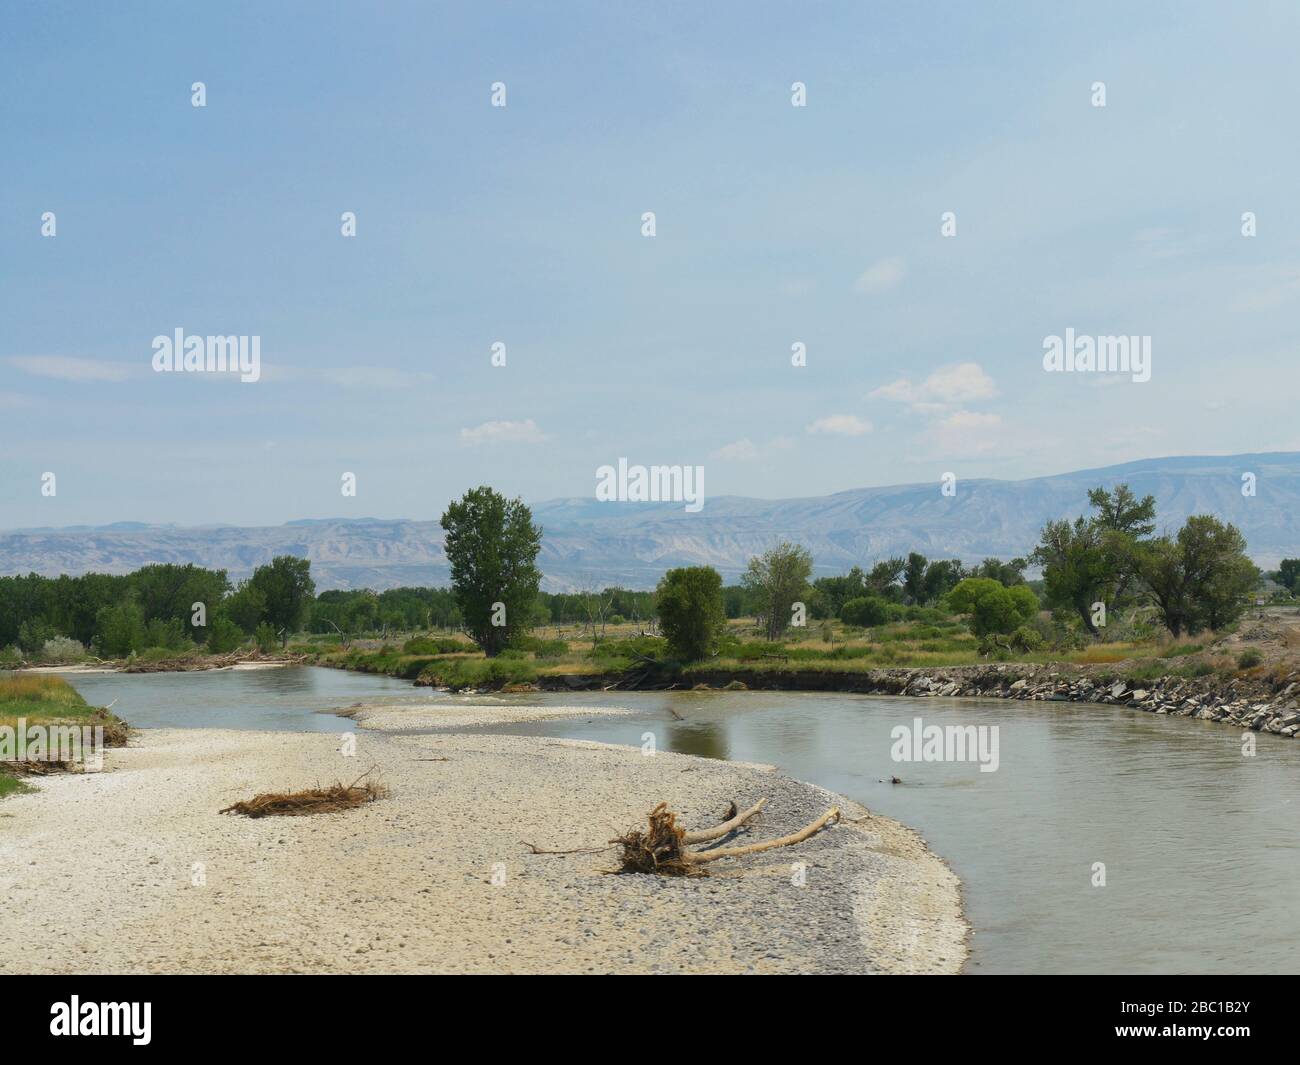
(159, 882)
(1262, 700)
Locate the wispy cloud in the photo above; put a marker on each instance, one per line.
(1267, 297)
(840, 425)
(525, 432)
(69, 368)
(968, 432)
(963, 382)
(881, 276)
(745, 450)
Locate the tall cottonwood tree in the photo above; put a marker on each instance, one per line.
(1199, 579)
(778, 579)
(492, 547)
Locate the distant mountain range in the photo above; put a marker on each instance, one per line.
(589, 543)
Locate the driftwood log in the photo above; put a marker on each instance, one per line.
(662, 847)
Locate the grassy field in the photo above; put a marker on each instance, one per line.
(43, 699)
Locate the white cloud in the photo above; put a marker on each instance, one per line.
(738, 451)
(525, 432)
(840, 425)
(962, 382)
(970, 421)
(745, 450)
(67, 368)
(881, 275)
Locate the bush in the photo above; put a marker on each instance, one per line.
(993, 607)
(266, 638)
(224, 636)
(1249, 658)
(866, 611)
(619, 654)
(1027, 639)
(62, 651)
(478, 672)
(34, 635)
(10, 657)
(170, 634)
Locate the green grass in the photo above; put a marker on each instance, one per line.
(10, 785)
(39, 697)
(44, 699)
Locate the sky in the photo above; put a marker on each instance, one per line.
(522, 225)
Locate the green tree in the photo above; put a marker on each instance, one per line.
(1093, 559)
(914, 578)
(691, 613)
(246, 607)
(223, 635)
(1007, 573)
(831, 593)
(992, 606)
(941, 576)
(778, 579)
(120, 629)
(492, 547)
(1078, 567)
(865, 611)
(286, 586)
(1288, 574)
(1200, 578)
(884, 577)
(1004, 610)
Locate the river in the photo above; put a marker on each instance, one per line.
(1198, 841)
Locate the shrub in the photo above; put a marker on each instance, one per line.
(34, 635)
(1027, 639)
(170, 634)
(1249, 658)
(61, 651)
(865, 611)
(10, 657)
(993, 607)
(224, 636)
(266, 638)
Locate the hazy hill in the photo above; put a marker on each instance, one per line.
(591, 543)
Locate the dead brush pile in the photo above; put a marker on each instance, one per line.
(316, 800)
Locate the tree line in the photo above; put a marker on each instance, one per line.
(1093, 567)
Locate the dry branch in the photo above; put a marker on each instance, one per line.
(718, 831)
(830, 815)
(311, 801)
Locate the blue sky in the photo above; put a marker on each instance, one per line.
(522, 224)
